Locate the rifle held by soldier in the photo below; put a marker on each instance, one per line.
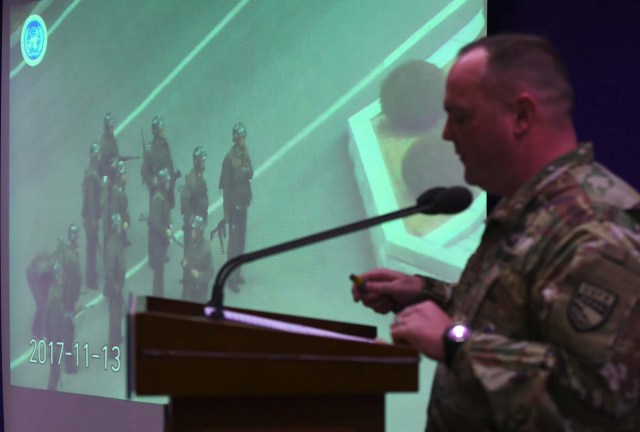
(221, 229)
(127, 158)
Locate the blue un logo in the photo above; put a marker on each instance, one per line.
(34, 40)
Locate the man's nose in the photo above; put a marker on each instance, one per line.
(446, 132)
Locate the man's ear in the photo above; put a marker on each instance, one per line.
(524, 113)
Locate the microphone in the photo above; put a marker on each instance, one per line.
(441, 200)
(438, 200)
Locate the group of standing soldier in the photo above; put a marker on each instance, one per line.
(55, 278)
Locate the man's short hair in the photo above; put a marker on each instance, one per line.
(521, 61)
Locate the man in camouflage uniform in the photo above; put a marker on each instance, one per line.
(542, 332)
(197, 264)
(235, 183)
(116, 202)
(194, 199)
(108, 147)
(157, 156)
(91, 190)
(160, 231)
(67, 255)
(115, 270)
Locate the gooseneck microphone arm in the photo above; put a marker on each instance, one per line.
(436, 200)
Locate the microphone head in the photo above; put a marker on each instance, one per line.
(430, 195)
(442, 200)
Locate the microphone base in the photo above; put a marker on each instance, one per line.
(213, 312)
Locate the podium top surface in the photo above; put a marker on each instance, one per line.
(175, 349)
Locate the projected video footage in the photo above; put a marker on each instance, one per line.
(152, 140)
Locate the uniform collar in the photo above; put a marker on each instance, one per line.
(509, 210)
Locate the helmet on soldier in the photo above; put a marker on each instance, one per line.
(94, 150)
(199, 157)
(73, 233)
(157, 124)
(239, 131)
(198, 223)
(109, 121)
(199, 153)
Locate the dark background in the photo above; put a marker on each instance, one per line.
(599, 40)
(602, 49)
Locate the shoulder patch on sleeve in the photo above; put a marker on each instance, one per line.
(590, 307)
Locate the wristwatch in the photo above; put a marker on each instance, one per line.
(452, 339)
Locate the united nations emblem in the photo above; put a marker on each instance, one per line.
(33, 40)
(590, 307)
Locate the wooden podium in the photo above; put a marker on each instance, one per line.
(224, 375)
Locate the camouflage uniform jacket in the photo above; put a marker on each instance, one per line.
(235, 180)
(194, 198)
(552, 298)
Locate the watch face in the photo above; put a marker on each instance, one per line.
(458, 333)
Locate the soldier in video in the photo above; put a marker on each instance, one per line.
(197, 264)
(194, 200)
(115, 269)
(157, 156)
(40, 277)
(91, 191)
(108, 147)
(116, 202)
(235, 183)
(53, 319)
(160, 231)
(109, 159)
(67, 255)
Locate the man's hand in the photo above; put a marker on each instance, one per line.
(385, 290)
(421, 326)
